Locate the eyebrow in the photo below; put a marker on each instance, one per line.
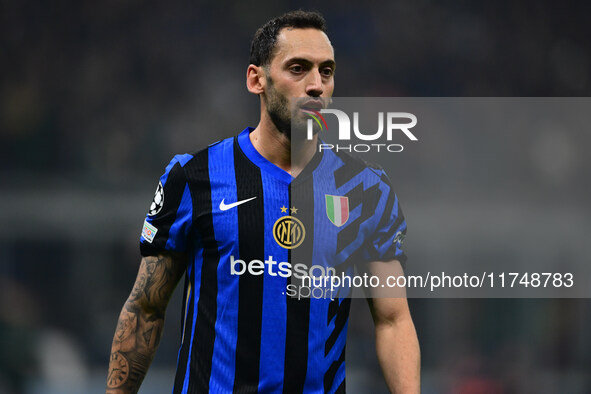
(329, 62)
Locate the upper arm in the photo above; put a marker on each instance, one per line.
(163, 240)
(156, 280)
(387, 304)
(386, 257)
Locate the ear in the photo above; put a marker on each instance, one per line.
(255, 79)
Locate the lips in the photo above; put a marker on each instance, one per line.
(312, 105)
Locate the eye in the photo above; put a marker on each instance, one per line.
(327, 71)
(296, 68)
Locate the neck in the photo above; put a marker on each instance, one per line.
(288, 154)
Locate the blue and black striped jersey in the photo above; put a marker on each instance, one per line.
(244, 223)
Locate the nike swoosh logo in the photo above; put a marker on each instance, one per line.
(225, 207)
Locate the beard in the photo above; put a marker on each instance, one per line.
(282, 115)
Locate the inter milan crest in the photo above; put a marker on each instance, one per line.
(289, 231)
(337, 209)
(158, 201)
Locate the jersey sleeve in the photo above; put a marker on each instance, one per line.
(169, 219)
(386, 242)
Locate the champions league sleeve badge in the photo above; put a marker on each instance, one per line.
(158, 201)
(149, 231)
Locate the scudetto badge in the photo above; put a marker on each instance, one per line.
(289, 232)
(158, 201)
(337, 209)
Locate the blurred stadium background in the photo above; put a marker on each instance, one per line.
(96, 97)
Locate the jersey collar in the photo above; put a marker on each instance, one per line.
(253, 155)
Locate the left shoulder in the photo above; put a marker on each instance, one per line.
(354, 164)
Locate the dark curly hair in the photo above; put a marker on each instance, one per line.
(265, 38)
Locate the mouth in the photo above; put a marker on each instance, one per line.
(312, 105)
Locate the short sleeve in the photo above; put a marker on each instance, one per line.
(169, 218)
(386, 242)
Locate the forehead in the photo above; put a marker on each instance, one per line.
(312, 44)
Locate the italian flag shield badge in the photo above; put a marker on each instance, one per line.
(337, 209)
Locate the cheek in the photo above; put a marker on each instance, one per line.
(330, 87)
(288, 89)
(285, 93)
(286, 82)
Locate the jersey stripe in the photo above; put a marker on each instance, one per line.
(335, 346)
(339, 323)
(182, 223)
(341, 389)
(252, 247)
(298, 311)
(296, 344)
(187, 330)
(184, 373)
(225, 222)
(329, 378)
(204, 334)
(274, 305)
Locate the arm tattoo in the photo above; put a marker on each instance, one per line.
(155, 279)
(141, 321)
(125, 326)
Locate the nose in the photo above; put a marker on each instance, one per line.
(314, 87)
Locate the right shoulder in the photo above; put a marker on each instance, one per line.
(181, 160)
(199, 157)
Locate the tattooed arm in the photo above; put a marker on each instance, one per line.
(141, 321)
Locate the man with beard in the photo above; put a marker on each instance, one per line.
(226, 218)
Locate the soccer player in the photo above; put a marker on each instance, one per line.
(232, 218)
